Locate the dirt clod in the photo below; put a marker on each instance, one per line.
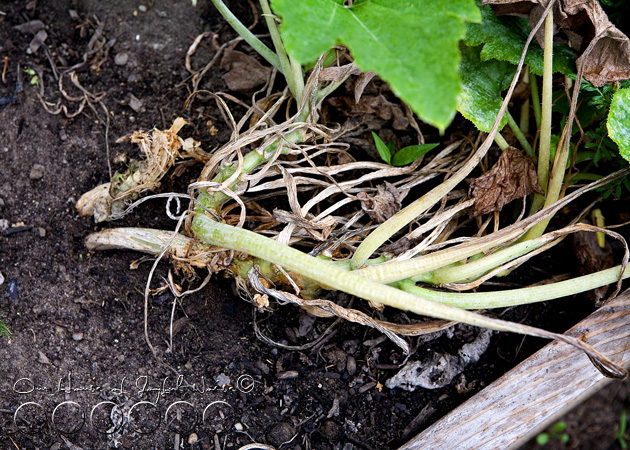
(37, 172)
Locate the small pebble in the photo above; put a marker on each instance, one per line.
(142, 8)
(238, 426)
(60, 331)
(121, 59)
(41, 232)
(37, 172)
(193, 439)
(351, 365)
(12, 290)
(287, 375)
(78, 336)
(63, 135)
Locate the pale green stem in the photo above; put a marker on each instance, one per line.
(524, 119)
(544, 141)
(471, 271)
(519, 135)
(535, 97)
(332, 277)
(249, 37)
(514, 297)
(501, 142)
(290, 68)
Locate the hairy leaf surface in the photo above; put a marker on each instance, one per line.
(619, 121)
(483, 82)
(504, 38)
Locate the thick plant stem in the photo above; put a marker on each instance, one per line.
(519, 135)
(544, 143)
(291, 69)
(474, 269)
(515, 297)
(249, 37)
(327, 274)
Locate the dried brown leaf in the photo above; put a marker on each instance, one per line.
(372, 104)
(604, 50)
(592, 258)
(244, 73)
(338, 73)
(513, 176)
(383, 205)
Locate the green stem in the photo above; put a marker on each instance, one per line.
(471, 271)
(501, 142)
(332, 277)
(519, 135)
(544, 142)
(514, 297)
(290, 68)
(533, 83)
(249, 37)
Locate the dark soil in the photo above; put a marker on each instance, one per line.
(77, 319)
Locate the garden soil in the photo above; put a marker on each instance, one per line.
(77, 372)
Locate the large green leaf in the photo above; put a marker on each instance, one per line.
(483, 82)
(619, 122)
(411, 44)
(503, 38)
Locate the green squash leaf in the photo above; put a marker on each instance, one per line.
(482, 82)
(411, 44)
(618, 123)
(409, 154)
(504, 38)
(383, 149)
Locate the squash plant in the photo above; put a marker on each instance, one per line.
(420, 47)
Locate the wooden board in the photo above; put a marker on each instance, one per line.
(534, 394)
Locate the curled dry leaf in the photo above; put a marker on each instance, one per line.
(592, 258)
(383, 205)
(372, 104)
(604, 49)
(513, 176)
(244, 73)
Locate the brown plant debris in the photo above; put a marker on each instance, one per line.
(592, 258)
(604, 50)
(383, 205)
(160, 148)
(372, 104)
(513, 176)
(244, 73)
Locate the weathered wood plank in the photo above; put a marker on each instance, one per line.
(531, 396)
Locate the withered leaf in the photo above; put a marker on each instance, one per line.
(604, 50)
(383, 205)
(338, 73)
(244, 73)
(590, 258)
(513, 176)
(372, 104)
